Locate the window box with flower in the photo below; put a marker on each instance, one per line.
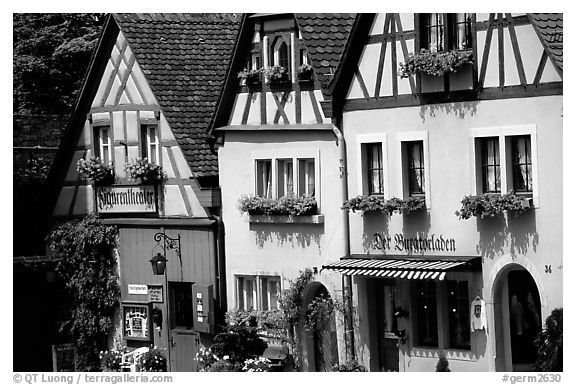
(432, 66)
(251, 77)
(145, 172)
(277, 75)
(305, 73)
(95, 170)
(287, 209)
(377, 203)
(490, 205)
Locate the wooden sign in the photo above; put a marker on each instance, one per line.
(126, 199)
(155, 293)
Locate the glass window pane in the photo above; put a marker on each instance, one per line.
(521, 163)
(427, 325)
(273, 290)
(458, 314)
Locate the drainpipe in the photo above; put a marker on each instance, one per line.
(346, 279)
(219, 271)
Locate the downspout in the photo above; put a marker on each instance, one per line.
(219, 271)
(346, 279)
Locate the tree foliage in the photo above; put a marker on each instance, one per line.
(89, 270)
(549, 344)
(51, 53)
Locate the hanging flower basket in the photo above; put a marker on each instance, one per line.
(277, 75)
(492, 205)
(305, 73)
(145, 172)
(95, 170)
(251, 77)
(435, 63)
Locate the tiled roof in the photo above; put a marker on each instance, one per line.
(185, 58)
(325, 36)
(549, 27)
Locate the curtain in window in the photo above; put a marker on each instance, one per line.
(462, 31)
(264, 178)
(283, 56)
(491, 165)
(434, 25)
(375, 171)
(415, 168)
(522, 163)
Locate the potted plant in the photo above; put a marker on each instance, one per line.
(251, 77)
(146, 172)
(277, 75)
(305, 73)
(110, 361)
(95, 170)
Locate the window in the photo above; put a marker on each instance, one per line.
(426, 314)
(102, 144)
(150, 143)
(285, 177)
(442, 313)
(446, 31)
(415, 168)
(264, 178)
(257, 292)
(458, 315)
(307, 179)
(490, 153)
(521, 163)
(506, 160)
(374, 168)
(181, 313)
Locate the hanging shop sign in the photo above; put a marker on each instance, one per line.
(420, 244)
(126, 199)
(155, 293)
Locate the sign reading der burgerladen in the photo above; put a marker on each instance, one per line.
(126, 199)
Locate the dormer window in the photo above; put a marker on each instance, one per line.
(281, 53)
(103, 144)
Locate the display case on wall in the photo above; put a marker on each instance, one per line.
(137, 321)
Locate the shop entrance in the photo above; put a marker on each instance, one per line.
(517, 320)
(183, 340)
(384, 295)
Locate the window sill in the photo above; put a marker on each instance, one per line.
(286, 219)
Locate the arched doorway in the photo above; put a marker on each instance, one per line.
(321, 342)
(518, 321)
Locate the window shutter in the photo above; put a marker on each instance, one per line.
(203, 307)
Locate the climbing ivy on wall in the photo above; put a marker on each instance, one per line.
(88, 268)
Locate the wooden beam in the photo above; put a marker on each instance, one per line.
(362, 84)
(382, 57)
(541, 66)
(394, 63)
(180, 184)
(405, 50)
(124, 81)
(518, 21)
(126, 107)
(246, 111)
(516, 48)
(486, 53)
(501, 72)
(317, 112)
(281, 103)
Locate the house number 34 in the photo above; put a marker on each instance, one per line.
(548, 269)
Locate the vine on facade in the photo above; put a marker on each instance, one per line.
(88, 268)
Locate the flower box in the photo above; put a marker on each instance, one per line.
(277, 75)
(287, 205)
(376, 203)
(144, 171)
(251, 77)
(493, 205)
(305, 73)
(463, 80)
(286, 219)
(95, 170)
(431, 83)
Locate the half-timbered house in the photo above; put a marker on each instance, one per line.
(277, 144)
(150, 93)
(428, 283)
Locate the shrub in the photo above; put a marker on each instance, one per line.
(153, 361)
(349, 366)
(434, 63)
(287, 205)
(549, 344)
(239, 343)
(111, 360)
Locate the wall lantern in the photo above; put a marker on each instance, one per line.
(158, 264)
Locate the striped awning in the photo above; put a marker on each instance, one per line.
(400, 268)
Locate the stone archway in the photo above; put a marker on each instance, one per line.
(320, 344)
(517, 318)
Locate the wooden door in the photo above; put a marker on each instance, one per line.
(183, 348)
(387, 341)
